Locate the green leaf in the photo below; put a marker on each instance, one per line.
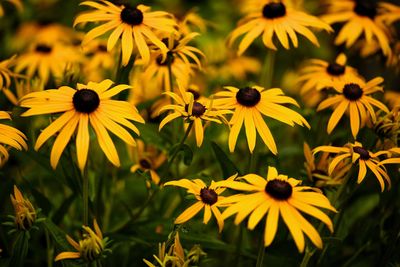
(20, 249)
(185, 149)
(228, 168)
(58, 235)
(150, 135)
(63, 209)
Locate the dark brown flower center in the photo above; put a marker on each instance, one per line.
(274, 10)
(169, 59)
(41, 48)
(195, 94)
(364, 154)
(145, 164)
(166, 42)
(318, 171)
(208, 196)
(336, 69)
(248, 96)
(102, 48)
(366, 8)
(197, 110)
(278, 189)
(352, 91)
(131, 15)
(86, 100)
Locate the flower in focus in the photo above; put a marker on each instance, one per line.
(148, 159)
(135, 25)
(353, 96)
(5, 79)
(278, 194)
(9, 136)
(317, 74)
(208, 198)
(193, 111)
(25, 213)
(359, 156)
(88, 104)
(249, 104)
(90, 248)
(16, 3)
(359, 16)
(46, 60)
(394, 157)
(317, 170)
(279, 18)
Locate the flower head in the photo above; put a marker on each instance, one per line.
(353, 95)
(275, 17)
(278, 194)
(135, 25)
(25, 213)
(208, 198)
(249, 104)
(90, 248)
(5, 78)
(358, 156)
(87, 104)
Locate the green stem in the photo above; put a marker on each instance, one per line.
(85, 197)
(267, 71)
(261, 252)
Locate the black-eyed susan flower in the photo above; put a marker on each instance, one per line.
(47, 60)
(278, 195)
(360, 157)
(148, 159)
(389, 13)
(192, 22)
(387, 128)
(135, 25)
(5, 79)
(91, 247)
(87, 104)
(194, 112)
(392, 98)
(360, 17)
(276, 18)
(317, 169)
(249, 104)
(25, 213)
(317, 74)
(16, 3)
(394, 157)
(9, 137)
(208, 198)
(99, 63)
(353, 96)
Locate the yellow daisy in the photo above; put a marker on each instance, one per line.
(394, 157)
(208, 198)
(194, 112)
(99, 63)
(249, 104)
(25, 213)
(276, 18)
(317, 74)
(359, 156)
(88, 104)
(353, 95)
(47, 60)
(278, 194)
(135, 25)
(192, 22)
(317, 170)
(10, 136)
(389, 13)
(148, 159)
(360, 17)
(5, 79)
(16, 3)
(90, 248)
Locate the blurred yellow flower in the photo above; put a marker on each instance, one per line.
(25, 213)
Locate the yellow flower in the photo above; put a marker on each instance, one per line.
(47, 60)
(135, 25)
(100, 63)
(278, 194)
(208, 198)
(249, 104)
(16, 3)
(148, 159)
(192, 22)
(387, 128)
(317, 74)
(193, 111)
(392, 98)
(90, 248)
(392, 159)
(276, 18)
(389, 13)
(359, 156)
(360, 17)
(5, 79)
(353, 96)
(317, 171)
(25, 213)
(9, 136)
(88, 104)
